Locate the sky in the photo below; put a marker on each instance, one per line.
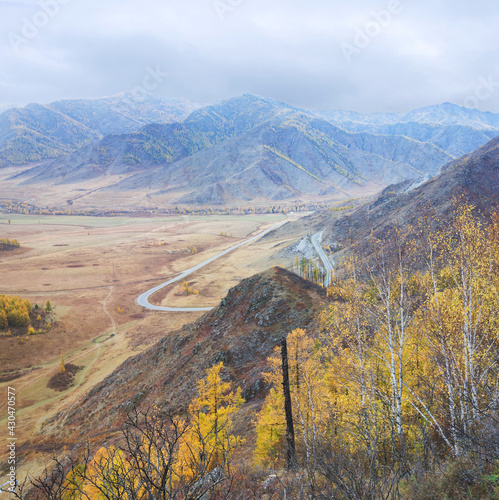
(366, 56)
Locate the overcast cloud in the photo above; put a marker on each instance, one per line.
(307, 53)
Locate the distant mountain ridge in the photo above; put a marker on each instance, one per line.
(243, 149)
(443, 114)
(246, 148)
(6, 106)
(455, 129)
(39, 132)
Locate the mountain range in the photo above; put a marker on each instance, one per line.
(242, 150)
(40, 132)
(454, 129)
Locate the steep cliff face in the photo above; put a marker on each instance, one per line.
(242, 332)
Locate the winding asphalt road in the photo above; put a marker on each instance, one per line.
(143, 299)
(328, 266)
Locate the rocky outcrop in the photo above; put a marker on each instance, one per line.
(242, 332)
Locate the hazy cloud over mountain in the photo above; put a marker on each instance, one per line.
(388, 55)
